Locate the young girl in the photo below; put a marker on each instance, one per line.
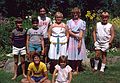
(63, 70)
(58, 35)
(76, 44)
(38, 70)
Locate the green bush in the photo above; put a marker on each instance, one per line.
(116, 24)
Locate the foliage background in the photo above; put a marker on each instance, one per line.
(9, 10)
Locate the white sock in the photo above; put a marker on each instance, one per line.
(96, 64)
(102, 67)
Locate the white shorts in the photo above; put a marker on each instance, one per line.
(17, 51)
(101, 46)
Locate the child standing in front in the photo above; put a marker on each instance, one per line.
(58, 35)
(18, 38)
(35, 41)
(64, 71)
(103, 36)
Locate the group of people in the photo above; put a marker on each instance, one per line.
(60, 43)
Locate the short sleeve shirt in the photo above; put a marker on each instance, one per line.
(35, 36)
(37, 72)
(63, 73)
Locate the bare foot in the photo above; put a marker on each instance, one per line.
(15, 76)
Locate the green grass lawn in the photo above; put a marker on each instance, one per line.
(111, 75)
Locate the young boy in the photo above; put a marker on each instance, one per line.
(103, 36)
(38, 70)
(35, 42)
(19, 46)
(44, 23)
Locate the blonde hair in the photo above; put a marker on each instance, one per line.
(58, 14)
(76, 10)
(105, 14)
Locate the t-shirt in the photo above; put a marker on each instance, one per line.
(63, 72)
(19, 38)
(35, 36)
(44, 24)
(37, 72)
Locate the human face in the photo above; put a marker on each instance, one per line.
(42, 12)
(62, 64)
(58, 19)
(36, 60)
(75, 15)
(35, 24)
(104, 19)
(19, 25)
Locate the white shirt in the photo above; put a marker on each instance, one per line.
(63, 72)
(44, 24)
(103, 32)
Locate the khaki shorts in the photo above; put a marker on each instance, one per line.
(101, 46)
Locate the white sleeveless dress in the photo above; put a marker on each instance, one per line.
(58, 41)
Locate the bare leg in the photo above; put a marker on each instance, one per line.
(31, 55)
(15, 66)
(97, 52)
(23, 65)
(103, 61)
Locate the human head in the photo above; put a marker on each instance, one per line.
(42, 11)
(18, 22)
(58, 17)
(76, 12)
(36, 59)
(62, 61)
(35, 22)
(104, 17)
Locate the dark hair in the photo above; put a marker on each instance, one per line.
(35, 20)
(44, 8)
(18, 20)
(62, 59)
(36, 54)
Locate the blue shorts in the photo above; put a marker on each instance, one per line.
(35, 47)
(37, 79)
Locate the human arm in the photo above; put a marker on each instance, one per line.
(45, 74)
(72, 33)
(27, 46)
(80, 38)
(54, 75)
(70, 77)
(112, 33)
(43, 49)
(94, 35)
(67, 32)
(49, 32)
(29, 77)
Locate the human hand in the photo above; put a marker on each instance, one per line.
(43, 51)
